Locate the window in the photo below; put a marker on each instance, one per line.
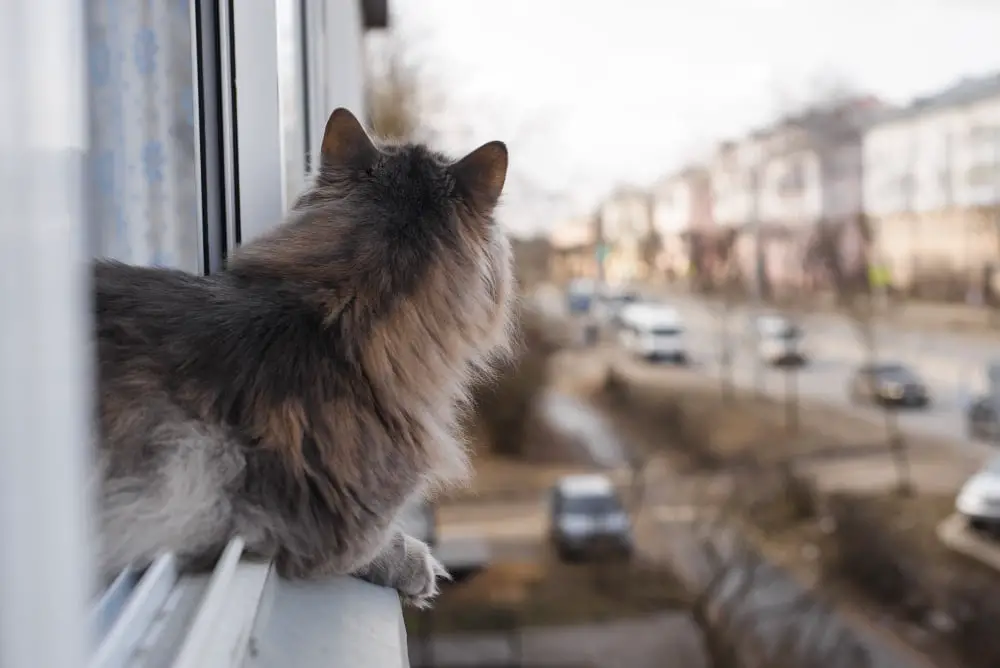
(792, 180)
(182, 155)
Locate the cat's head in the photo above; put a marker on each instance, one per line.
(400, 235)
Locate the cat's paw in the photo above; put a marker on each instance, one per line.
(418, 581)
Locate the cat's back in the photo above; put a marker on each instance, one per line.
(138, 309)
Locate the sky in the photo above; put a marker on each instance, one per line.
(593, 94)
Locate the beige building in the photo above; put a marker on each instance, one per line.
(932, 189)
(626, 230)
(574, 249)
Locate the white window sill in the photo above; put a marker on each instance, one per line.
(243, 615)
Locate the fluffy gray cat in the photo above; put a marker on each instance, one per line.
(302, 396)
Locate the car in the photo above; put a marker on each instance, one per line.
(777, 340)
(978, 502)
(983, 420)
(580, 295)
(588, 519)
(653, 332)
(888, 384)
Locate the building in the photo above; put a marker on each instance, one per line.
(932, 189)
(682, 218)
(774, 188)
(627, 232)
(574, 249)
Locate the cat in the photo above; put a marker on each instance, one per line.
(303, 395)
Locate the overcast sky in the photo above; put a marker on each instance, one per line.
(594, 93)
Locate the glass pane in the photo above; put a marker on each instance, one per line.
(291, 93)
(143, 177)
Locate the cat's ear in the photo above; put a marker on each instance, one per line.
(345, 142)
(481, 174)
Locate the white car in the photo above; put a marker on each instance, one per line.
(777, 340)
(653, 331)
(979, 499)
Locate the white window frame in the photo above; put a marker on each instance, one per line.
(45, 390)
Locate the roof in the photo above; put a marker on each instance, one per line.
(589, 484)
(967, 91)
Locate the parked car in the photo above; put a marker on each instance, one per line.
(777, 340)
(653, 332)
(588, 519)
(580, 295)
(888, 384)
(978, 501)
(982, 419)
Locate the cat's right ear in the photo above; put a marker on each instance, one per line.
(345, 142)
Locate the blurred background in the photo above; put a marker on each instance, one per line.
(753, 417)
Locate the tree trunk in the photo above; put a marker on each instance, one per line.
(792, 399)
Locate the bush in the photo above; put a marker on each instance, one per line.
(973, 609)
(663, 417)
(863, 553)
(505, 407)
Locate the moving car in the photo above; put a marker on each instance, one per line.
(888, 384)
(777, 340)
(983, 420)
(588, 519)
(653, 332)
(979, 499)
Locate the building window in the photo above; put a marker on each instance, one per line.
(792, 181)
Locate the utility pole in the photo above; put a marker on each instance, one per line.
(758, 263)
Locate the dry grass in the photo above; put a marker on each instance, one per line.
(505, 408)
(550, 593)
(692, 420)
(879, 555)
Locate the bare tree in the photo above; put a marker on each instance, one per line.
(398, 94)
(731, 291)
(854, 294)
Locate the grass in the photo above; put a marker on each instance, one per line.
(551, 593)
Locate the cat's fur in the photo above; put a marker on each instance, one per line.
(303, 395)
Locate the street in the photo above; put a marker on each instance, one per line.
(952, 365)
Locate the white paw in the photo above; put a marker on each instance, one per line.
(419, 584)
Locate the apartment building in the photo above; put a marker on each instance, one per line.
(574, 249)
(932, 188)
(625, 224)
(682, 218)
(778, 184)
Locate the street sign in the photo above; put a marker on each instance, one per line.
(602, 252)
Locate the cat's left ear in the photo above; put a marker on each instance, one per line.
(481, 174)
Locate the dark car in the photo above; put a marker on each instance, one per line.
(888, 384)
(588, 519)
(982, 420)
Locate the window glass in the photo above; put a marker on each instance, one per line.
(142, 187)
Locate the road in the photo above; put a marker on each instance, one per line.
(952, 365)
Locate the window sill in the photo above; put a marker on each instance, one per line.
(243, 615)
